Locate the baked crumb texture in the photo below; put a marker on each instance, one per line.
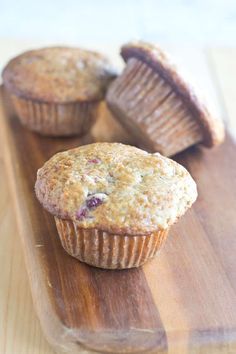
(113, 204)
(115, 188)
(59, 75)
(56, 91)
(153, 101)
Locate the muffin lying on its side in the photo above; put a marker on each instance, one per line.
(113, 204)
(56, 90)
(155, 104)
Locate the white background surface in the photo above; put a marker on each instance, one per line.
(106, 24)
(88, 21)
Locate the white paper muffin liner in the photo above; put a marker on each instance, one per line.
(104, 250)
(148, 107)
(55, 119)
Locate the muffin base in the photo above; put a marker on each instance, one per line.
(148, 108)
(55, 119)
(105, 250)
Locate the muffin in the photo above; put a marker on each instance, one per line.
(153, 102)
(113, 204)
(56, 91)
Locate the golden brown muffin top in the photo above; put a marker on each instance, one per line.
(152, 55)
(58, 74)
(116, 188)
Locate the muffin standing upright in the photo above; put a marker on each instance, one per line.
(155, 104)
(56, 90)
(113, 204)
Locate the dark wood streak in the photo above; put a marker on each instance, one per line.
(78, 306)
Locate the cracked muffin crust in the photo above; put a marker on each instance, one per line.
(115, 188)
(59, 74)
(56, 91)
(113, 204)
(152, 100)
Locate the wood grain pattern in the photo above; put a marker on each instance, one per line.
(104, 326)
(181, 303)
(20, 331)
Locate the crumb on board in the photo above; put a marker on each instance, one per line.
(49, 283)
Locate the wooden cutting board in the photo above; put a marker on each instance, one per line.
(181, 302)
